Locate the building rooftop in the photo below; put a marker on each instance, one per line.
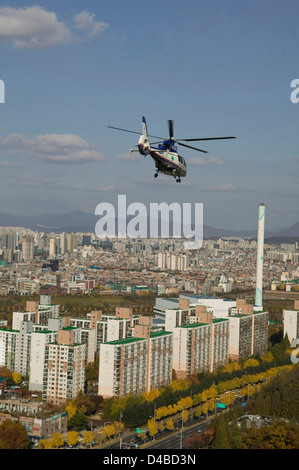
(193, 325)
(160, 333)
(124, 341)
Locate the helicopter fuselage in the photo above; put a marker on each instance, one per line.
(165, 156)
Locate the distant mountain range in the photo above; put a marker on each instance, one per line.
(79, 221)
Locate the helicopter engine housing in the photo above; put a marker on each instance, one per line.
(143, 145)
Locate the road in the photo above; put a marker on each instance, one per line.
(175, 440)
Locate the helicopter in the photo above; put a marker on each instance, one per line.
(166, 157)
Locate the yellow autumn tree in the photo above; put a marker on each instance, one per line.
(175, 408)
(231, 367)
(205, 408)
(228, 398)
(185, 402)
(170, 410)
(198, 411)
(17, 377)
(179, 385)
(57, 440)
(118, 405)
(268, 357)
(196, 399)
(71, 409)
(161, 412)
(161, 426)
(119, 427)
(72, 438)
(169, 424)
(212, 392)
(151, 395)
(251, 363)
(107, 431)
(152, 427)
(88, 438)
(185, 415)
(45, 444)
(211, 405)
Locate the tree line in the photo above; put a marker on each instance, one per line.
(276, 399)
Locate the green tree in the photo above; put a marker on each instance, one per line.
(221, 440)
(235, 435)
(78, 422)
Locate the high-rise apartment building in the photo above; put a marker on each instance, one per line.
(39, 340)
(109, 327)
(248, 331)
(290, 318)
(15, 348)
(220, 342)
(8, 348)
(173, 262)
(27, 248)
(64, 368)
(71, 242)
(135, 365)
(191, 349)
(52, 247)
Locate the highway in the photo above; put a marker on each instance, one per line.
(175, 439)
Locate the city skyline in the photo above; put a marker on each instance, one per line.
(72, 69)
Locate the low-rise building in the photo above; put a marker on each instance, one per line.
(38, 420)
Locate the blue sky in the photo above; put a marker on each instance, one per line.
(71, 68)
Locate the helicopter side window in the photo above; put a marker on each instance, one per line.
(180, 159)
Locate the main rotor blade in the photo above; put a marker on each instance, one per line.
(133, 132)
(170, 127)
(206, 138)
(125, 130)
(194, 148)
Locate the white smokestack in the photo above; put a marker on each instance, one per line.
(260, 257)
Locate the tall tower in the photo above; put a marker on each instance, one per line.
(27, 248)
(260, 257)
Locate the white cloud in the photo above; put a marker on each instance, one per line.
(29, 182)
(64, 148)
(126, 157)
(79, 156)
(86, 23)
(216, 161)
(221, 187)
(32, 28)
(9, 165)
